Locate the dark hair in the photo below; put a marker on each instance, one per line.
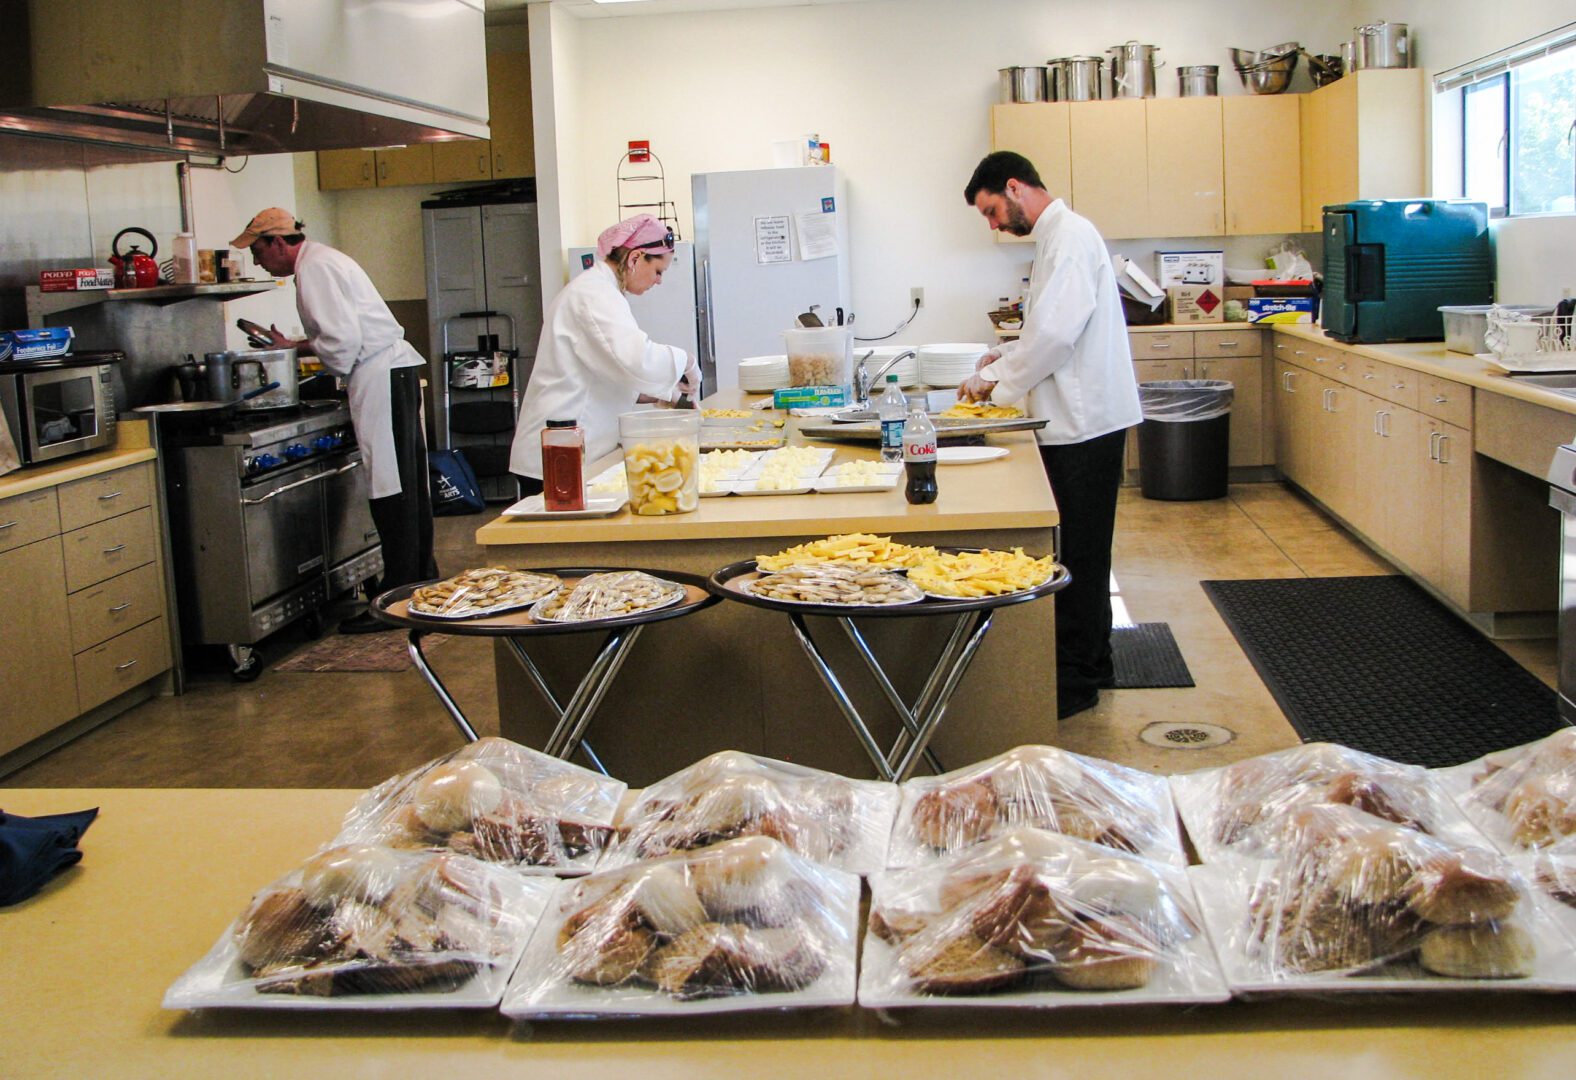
(994, 170)
(294, 238)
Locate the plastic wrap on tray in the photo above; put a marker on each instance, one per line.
(1347, 892)
(1526, 798)
(495, 800)
(361, 921)
(825, 817)
(1221, 806)
(835, 583)
(1044, 788)
(609, 596)
(486, 591)
(1038, 913)
(748, 923)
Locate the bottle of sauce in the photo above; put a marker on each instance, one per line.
(563, 465)
(919, 455)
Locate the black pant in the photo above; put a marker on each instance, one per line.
(1085, 478)
(404, 521)
(527, 485)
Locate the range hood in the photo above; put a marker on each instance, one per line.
(230, 77)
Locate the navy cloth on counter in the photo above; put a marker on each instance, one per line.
(33, 850)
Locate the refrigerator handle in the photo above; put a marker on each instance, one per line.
(708, 331)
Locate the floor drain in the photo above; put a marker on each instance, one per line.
(1175, 736)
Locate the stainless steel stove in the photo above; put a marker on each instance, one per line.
(268, 520)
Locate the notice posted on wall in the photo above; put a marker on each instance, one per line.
(771, 240)
(817, 233)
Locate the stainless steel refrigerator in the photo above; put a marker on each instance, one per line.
(768, 244)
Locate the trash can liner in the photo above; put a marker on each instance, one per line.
(1173, 400)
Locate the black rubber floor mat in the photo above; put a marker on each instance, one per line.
(1377, 664)
(1146, 657)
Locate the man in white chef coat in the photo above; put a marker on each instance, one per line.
(1072, 364)
(351, 330)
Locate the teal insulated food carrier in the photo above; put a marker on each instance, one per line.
(1389, 264)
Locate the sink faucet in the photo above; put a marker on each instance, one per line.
(864, 380)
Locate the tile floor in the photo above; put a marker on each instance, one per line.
(305, 729)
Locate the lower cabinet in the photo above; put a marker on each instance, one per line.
(1171, 355)
(38, 687)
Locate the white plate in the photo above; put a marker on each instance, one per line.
(1457, 783)
(674, 597)
(828, 485)
(747, 487)
(531, 508)
(815, 466)
(748, 587)
(724, 487)
(968, 455)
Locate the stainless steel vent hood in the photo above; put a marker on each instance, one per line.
(244, 76)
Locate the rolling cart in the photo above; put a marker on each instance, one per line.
(478, 403)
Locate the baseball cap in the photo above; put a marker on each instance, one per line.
(274, 221)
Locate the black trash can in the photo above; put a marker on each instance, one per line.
(1184, 441)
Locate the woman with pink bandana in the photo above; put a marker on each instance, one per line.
(593, 362)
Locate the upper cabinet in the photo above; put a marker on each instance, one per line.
(511, 153)
(1362, 138)
(1263, 163)
(1186, 166)
(1110, 166)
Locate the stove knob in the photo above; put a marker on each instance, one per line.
(295, 452)
(263, 461)
(324, 443)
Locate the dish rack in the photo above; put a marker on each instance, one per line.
(1523, 344)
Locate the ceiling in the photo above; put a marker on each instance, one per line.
(508, 10)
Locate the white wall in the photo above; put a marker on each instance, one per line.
(900, 88)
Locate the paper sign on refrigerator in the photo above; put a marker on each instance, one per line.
(771, 240)
(817, 234)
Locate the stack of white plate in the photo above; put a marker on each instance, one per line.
(763, 374)
(949, 365)
(907, 371)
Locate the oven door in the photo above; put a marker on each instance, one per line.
(65, 412)
(347, 512)
(282, 518)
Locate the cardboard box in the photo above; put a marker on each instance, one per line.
(1239, 292)
(1176, 268)
(809, 396)
(1282, 310)
(1196, 304)
(75, 280)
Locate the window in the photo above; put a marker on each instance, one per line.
(1517, 125)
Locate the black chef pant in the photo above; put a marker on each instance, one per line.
(404, 521)
(527, 485)
(1085, 478)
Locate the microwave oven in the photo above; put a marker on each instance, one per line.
(59, 407)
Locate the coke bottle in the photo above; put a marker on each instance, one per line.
(919, 455)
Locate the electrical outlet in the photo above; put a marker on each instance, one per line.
(916, 296)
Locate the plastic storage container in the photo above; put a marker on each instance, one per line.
(1184, 441)
(1465, 324)
(819, 355)
(661, 460)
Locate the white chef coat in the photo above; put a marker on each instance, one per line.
(355, 335)
(592, 362)
(1072, 359)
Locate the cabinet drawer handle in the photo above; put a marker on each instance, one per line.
(120, 607)
(1226, 344)
(10, 525)
(1369, 375)
(1441, 401)
(111, 495)
(127, 664)
(113, 550)
(1398, 386)
(1159, 345)
(1443, 439)
(1433, 446)
(1298, 352)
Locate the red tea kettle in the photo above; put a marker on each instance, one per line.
(134, 270)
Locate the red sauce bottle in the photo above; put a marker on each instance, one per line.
(563, 466)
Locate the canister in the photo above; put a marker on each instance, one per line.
(661, 460)
(1199, 80)
(1083, 78)
(1028, 84)
(1384, 45)
(1133, 70)
(1351, 55)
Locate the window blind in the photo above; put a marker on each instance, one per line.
(1496, 64)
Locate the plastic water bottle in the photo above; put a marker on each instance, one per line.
(919, 455)
(893, 410)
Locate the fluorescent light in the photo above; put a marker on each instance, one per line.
(618, 1)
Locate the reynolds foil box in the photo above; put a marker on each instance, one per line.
(809, 397)
(1286, 309)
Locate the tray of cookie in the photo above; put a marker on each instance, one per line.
(1220, 806)
(358, 927)
(1523, 798)
(1036, 919)
(1041, 787)
(1349, 902)
(610, 595)
(830, 819)
(497, 801)
(746, 924)
(490, 590)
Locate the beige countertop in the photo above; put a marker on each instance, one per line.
(1008, 493)
(132, 446)
(84, 965)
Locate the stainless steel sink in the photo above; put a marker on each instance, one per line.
(1564, 383)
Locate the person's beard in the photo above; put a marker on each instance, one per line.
(1018, 223)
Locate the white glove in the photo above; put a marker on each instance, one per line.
(690, 383)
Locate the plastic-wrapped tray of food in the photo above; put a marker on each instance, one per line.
(1037, 920)
(490, 590)
(497, 801)
(1351, 902)
(859, 476)
(610, 595)
(1038, 787)
(743, 925)
(791, 463)
(369, 928)
(1523, 798)
(968, 575)
(828, 818)
(834, 585)
(1220, 806)
(849, 549)
(1555, 877)
(980, 410)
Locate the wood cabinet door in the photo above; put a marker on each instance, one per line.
(38, 683)
(1110, 166)
(1335, 144)
(461, 160)
(1186, 171)
(1453, 451)
(1408, 525)
(344, 170)
(1386, 124)
(509, 103)
(405, 166)
(1262, 140)
(1344, 448)
(1246, 375)
(1041, 133)
(1296, 396)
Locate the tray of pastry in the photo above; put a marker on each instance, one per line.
(613, 595)
(832, 585)
(1523, 798)
(478, 593)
